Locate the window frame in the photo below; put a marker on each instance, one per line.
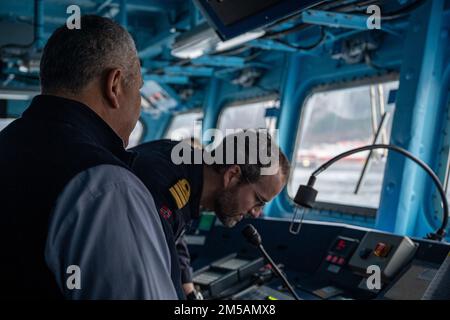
(447, 127)
(447, 178)
(320, 88)
(446, 159)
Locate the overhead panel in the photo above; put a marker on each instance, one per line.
(231, 18)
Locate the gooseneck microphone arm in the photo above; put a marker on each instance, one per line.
(278, 272)
(252, 236)
(310, 193)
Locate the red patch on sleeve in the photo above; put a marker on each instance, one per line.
(165, 212)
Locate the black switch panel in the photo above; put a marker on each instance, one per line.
(232, 11)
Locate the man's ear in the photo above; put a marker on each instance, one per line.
(113, 87)
(231, 176)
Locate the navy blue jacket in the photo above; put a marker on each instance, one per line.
(176, 190)
(55, 140)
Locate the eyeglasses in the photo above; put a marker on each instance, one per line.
(259, 206)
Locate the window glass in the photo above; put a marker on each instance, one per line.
(336, 121)
(186, 125)
(136, 135)
(5, 122)
(256, 115)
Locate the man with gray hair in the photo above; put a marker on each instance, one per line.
(75, 222)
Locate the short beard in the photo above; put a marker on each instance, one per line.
(225, 206)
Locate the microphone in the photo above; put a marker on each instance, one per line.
(306, 195)
(253, 237)
(251, 234)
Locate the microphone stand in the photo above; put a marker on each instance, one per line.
(278, 272)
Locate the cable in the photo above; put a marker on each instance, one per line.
(296, 28)
(403, 12)
(299, 27)
(233, 51)
(369, 61)
(359, 6)
(341, 8)
(324, 5)
(397, 14)
(333, 5)
(253, 55)
(440, 233)
(336, 5)
(306, 48)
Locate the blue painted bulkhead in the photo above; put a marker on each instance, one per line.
(414, 49)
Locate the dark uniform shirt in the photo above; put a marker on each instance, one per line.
(176, 190)
(70, 202)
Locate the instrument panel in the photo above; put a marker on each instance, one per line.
(324, 261)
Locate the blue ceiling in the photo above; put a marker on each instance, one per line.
(154, 24)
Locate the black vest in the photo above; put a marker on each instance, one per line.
(40, 153)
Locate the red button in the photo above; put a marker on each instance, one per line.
(335, 259)
(382, 249)
(341, 261)
(329, 257)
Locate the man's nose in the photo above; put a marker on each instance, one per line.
(256, 213)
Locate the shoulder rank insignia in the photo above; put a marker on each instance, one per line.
(181, 191)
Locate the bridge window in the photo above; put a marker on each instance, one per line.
(250, 115)
(136, 135)
(338, 120)
(4, 122)
(186, 125)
